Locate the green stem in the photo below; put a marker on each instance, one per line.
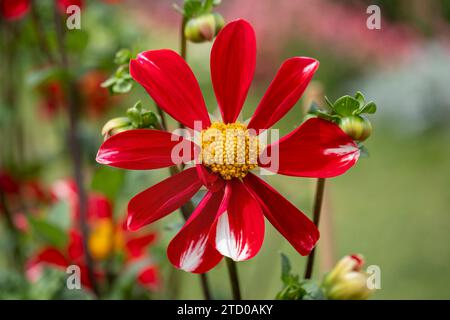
(17, 255)
(320, 188)
(40, 34)
(234, 279)
(75, 145)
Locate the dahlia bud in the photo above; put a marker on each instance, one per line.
(357, 127)
(115, 126)
(347, 281)
(203, 28)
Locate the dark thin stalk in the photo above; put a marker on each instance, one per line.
(205, 286)
(13, 149)
(15, 234)
(183, 53)
(183, 42)
(320, 188)
(38, 28)
(234, 280)
(75, 145)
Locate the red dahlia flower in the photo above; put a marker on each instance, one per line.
(229, 221)
(14, 9)
(106, 238)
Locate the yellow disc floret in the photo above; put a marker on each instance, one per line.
(229, 150)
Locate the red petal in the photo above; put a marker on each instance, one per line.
(136, 246)
(190, 250)
(51, 256)
(285, 217)
(162, 199)
(149, 277)
(209, 179)
(143, 149)
(233, 59)
(173, 86)
(99, 207)
(238, 233)
(14, 9)
(318, 148)
(75, 248)
(284, 91)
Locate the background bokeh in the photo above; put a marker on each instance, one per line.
(393, 206)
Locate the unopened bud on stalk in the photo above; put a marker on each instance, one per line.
(358, 127)
(347, 281)
(115, 126)
(203, 28)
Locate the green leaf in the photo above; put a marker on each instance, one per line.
(291, 292)
(108, 181)
(285, 269)
(48, 232)
(312, 291)
(208, 5)
(109, 82)
(122, 86)
(192, 8)
(60, 215)
(345, 106)
(326, 116)
(123, 56)
(329, 103)
(360, 98)
(371, 108)
(149, 119)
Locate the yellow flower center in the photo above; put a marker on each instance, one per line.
(229, 150)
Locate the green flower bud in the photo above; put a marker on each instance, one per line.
(220, 22)
(347, 281)
(203, 28)
(353, 286)
(357, 127)
(114, 125)
(149, 119)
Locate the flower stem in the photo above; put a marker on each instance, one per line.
(40, 36)
(234, 279)
(183, 42)
(183, 54)
(205, 286)
(320, 188)
(17, 254)
(75, 145)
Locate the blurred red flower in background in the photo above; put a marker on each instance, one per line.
(21, 196)
(14, 9)
(106, 238)
(95, 99)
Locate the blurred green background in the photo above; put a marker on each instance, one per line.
(393, 207)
